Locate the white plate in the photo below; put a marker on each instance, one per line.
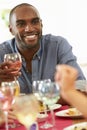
(65, 113)
(41, 117)
(54, 107)
(78, 125)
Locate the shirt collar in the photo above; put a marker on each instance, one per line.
(39, 52)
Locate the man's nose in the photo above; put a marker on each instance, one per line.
(28, 27)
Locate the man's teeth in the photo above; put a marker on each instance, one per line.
(31, 36)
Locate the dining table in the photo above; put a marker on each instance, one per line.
(60, 122)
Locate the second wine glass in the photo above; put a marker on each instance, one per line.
(6, 99)
(36, 90)
(49, 91)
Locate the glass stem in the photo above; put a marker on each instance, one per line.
(53, 116)
(45, 108)
(6, 119)
(15, 80)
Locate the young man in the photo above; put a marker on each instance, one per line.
(40, 53)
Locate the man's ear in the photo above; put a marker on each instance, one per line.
(11, 30)
(41, 23)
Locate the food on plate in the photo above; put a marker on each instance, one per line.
(72, 112)
(79, 128)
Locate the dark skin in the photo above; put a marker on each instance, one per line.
(5, 70)
(25, 24)
(27, 29)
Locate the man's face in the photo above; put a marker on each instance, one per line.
(26, 26)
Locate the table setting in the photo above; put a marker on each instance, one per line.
(61, 123)
(39, 110)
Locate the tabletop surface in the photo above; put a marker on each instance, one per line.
(61, 122)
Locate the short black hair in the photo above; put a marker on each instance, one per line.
(12, 11)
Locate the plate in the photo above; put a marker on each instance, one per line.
(78, 126)
(69, 113)
(54, 107)
(41, 117)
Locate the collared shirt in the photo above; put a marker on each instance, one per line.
(53, 50)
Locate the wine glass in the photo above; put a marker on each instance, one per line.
(15, 86)
(49, 91)
(6, 99)
(36, 87)
(16, 60)
(26, 108)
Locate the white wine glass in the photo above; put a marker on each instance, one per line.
(36, 87)
(26, 108)
(6, 100)
(15, 86)
(49, 91)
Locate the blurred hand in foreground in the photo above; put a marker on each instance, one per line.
(11, 117)
(65, 76)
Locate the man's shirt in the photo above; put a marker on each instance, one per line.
(53, 50)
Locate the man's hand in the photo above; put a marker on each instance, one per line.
(7, 73)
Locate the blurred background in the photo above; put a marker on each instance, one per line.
(67, 18)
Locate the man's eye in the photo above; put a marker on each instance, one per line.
(20, 24)
(35, 21)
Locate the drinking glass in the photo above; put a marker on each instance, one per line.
(36, 87)
(16, 60)
(26, 108)
(15, 86)
(49, 91)
(6, 99)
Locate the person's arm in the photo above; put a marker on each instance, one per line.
(2, 117)
(76, 99)
(66, 76)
